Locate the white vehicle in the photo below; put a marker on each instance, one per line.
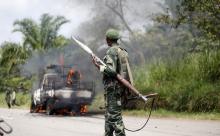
(54, 95)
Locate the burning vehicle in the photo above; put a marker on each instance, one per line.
(62, 89)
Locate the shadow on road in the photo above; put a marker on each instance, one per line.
(92, 114)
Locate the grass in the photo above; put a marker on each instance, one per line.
(23, 100)
(97, 103)
(190, 84)
(2, 100)
(159, 113)
(162, 113)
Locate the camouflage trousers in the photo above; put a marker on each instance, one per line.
(10, 98)
(113, 117)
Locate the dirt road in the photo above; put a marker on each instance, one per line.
(26, 124)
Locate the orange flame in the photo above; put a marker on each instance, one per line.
(83, 109)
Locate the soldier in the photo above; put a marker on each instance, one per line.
(10, 97)
(116, 60)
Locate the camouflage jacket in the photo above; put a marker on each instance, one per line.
(114, 65)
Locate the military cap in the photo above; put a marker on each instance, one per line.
(112, 34)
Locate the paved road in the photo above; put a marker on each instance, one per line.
(26, 124)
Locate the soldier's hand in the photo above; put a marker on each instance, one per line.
(94, 60)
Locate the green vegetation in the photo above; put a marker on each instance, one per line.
(161, 113)
(36, 38)
(97, 103)
(2, 100)
(191, 81)
(156, 113)
(177, 56)
(22, 100)
(41, 36)
(185, 85)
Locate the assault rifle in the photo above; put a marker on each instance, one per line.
(118, 76)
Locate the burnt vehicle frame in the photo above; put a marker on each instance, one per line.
(54, 95)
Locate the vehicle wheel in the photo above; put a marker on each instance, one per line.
(49, 107)
(75, 110)
(33, 107)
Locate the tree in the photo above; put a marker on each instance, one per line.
(117, 6)
(38, 39)
(41, 36)
(12, 55)
(201, 16)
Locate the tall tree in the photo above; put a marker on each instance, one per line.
(12, 55)
(202, 16)
(117, 6)
(41, 36)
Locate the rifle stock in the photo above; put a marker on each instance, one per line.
(130, 87)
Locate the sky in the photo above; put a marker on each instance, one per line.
(11, 10)
(77, 11)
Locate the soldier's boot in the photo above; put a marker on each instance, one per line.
(9, 105)
(119, 129)
(108, 129)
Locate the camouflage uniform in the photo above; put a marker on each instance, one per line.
(113, 90)
(10, 97)
(116, 61)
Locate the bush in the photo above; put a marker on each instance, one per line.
(209, 66)
(191, 84)
(22, 100)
